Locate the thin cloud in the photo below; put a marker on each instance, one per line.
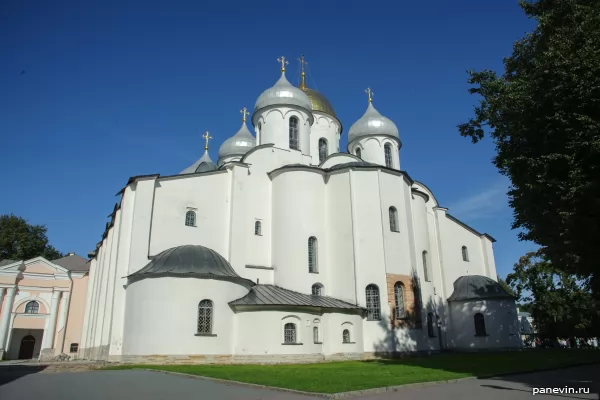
(485, 204)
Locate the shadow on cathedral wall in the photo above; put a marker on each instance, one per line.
(412, 341)
(9, 373)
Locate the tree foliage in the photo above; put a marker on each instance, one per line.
(505, 286)
(21, 241)
(561, 303)
(543, 114)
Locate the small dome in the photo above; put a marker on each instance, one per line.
(187, 261)
(204, 164)
(371, 124)
(283, 93)
(477, 287)
(238, 144)
(318, 101)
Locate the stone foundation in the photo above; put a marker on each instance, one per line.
(46, 355)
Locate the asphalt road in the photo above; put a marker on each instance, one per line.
(34, 383)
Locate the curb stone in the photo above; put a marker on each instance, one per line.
(364, 392)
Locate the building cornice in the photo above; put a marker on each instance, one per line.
(467, 227)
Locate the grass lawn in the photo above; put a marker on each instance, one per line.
(357, 375)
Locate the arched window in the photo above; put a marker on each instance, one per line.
(322, 149)
(317, 289)
(426, 272)
(394, 219)
(346, 336)
(257, 228)
(312, 255)
(316, 334)
(465, 253)
(205, 317)
(388, 155)
(190, 218)
(373, 306)
(294, 133)
(33, 307)
(399, 300)
(358, 152)
(479, 324)
(430, 330)
(289, 333)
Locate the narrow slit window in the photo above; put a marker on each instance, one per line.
(479, 321)
(358, 153)
(388, 155)
(399, 300)
(258, 228)
(465, 253)
(393, 219)
(426, 271)
(205, 317)
(323, 152)
(312, 255)
(294, 133)
(373, 306)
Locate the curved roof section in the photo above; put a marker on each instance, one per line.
(271, 295)
(318, 101)
(189, 261)
(283, 93)
(372, 123)
(204, 164)
(238, 144)
(477, 287)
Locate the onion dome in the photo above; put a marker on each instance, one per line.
(283, 94)
(189, 261)
(240, 143)
(477, 287)
(318, 101)
(372, 123)
(204, 164)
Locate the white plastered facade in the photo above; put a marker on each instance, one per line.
(343, 202)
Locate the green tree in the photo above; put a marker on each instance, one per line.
(543, 114)
(505, 286)
(561, 303)
(21, 241)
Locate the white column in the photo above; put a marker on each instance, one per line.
(64, 304)
(50, 330)
(7, 305)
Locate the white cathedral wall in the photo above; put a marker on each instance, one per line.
(207, 196)
(370, 265)
(298, 214)
(340, 237)
(122, 265)
(327, 128)
(501, 324)
(112, 266)
(266, 336)
(372, 150)
(161, 316)
(275, 127)
(453, 237)
(333, 327)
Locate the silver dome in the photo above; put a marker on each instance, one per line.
(238, 144)
(372, 123)
(283, 93)
(204, 164)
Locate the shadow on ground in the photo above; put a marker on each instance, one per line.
(9, 373)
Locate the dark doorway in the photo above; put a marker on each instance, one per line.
(26, 349)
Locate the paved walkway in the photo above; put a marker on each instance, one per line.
(30, 382)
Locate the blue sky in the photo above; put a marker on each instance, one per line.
(92, 93)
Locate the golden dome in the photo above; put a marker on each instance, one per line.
(318, 101)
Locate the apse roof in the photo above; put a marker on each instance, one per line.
(271, 295)
(477, 287)
(189, 261)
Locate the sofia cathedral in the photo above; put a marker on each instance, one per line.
(287, 249)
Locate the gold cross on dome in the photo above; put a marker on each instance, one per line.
(283, 61)
(244, 112)
(207, 138)
(303, 74)
(370, 94)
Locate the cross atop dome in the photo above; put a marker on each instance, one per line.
(283, 61)
(369, 94)
(207, 138)
(244, 112)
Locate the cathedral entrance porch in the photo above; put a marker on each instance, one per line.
(25, 344)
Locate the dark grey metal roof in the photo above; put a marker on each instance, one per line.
(189, 261)
(7, 262)
(477, 287)
(353, 164)
(271, 295)
(73, 263)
